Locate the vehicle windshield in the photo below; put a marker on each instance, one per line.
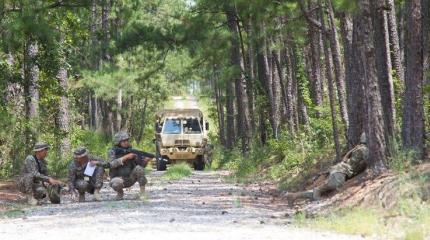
(191, 126)
(172, 126)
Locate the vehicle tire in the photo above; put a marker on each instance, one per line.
(199, 164)
(160, 163)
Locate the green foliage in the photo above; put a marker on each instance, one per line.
(177, 171)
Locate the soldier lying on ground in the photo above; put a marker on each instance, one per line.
(124, 168)
(82, 183)
(34, 180)
(353, 163)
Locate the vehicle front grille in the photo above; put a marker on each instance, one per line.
(182, 142)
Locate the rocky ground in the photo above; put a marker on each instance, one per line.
(201, 206)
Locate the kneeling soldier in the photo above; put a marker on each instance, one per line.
(82, 183)
(124, 168)
(34, 180)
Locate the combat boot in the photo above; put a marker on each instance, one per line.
(31, 200)
(317, 194)
(119, 195)
(81, 197)
(97, 195)
(291, 198)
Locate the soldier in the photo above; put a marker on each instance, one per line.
(353, 163)
(124, 170)
(34, 180)
(82, 183)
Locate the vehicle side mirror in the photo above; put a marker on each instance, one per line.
(207, 126)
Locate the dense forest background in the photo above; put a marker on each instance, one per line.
(288, 83)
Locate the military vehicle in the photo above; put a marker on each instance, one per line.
(181, 135)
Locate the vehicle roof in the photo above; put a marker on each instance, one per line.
(179, 113)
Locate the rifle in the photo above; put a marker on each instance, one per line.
(141, 155)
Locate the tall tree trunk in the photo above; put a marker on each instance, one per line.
(239, 79)
(383, 66)
(93, 31)
(31, 88)
(231, 136)
(338, 65)
(288, 92)
(413, 112)
(375, 120)
(354, 79)
(331, 91)
(220, 109)
(63, 118)
(276, 89)
(118, 111)
(426, 43)
(397, 58)
(315, 63)
(106, 31)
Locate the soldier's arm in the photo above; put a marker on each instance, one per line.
(72, 176)
(113, 161)
(31, 165)
(100, 162)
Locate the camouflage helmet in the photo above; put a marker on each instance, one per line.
(363, 138)
(120, 136)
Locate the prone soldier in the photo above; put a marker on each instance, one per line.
(353, 163)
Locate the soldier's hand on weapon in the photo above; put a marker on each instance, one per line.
(129, 156)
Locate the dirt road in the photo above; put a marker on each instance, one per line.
(201, 206)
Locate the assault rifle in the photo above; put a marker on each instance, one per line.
(141, 155)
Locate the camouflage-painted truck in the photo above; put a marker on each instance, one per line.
(181, 135)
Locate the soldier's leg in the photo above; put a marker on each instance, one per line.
(54, 193)
(138, 175)
(82, 187)
(292, 197)
(335, 181)
(97, 183)
(39, 191)
(25, 185)
(117, 183)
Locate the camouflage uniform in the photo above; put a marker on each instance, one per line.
(353, 163)
(34, 180)
(78, 181)
(124, 174)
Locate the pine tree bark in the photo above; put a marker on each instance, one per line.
(338, 65)
(331, 91)
(315, 62)
(31, 88)
(106, 31)
(236, 60)
(426, 43)
(396, 55)
(63, 116)
(383, 65)
(354, 79)
(375, 121)
(413, 112)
